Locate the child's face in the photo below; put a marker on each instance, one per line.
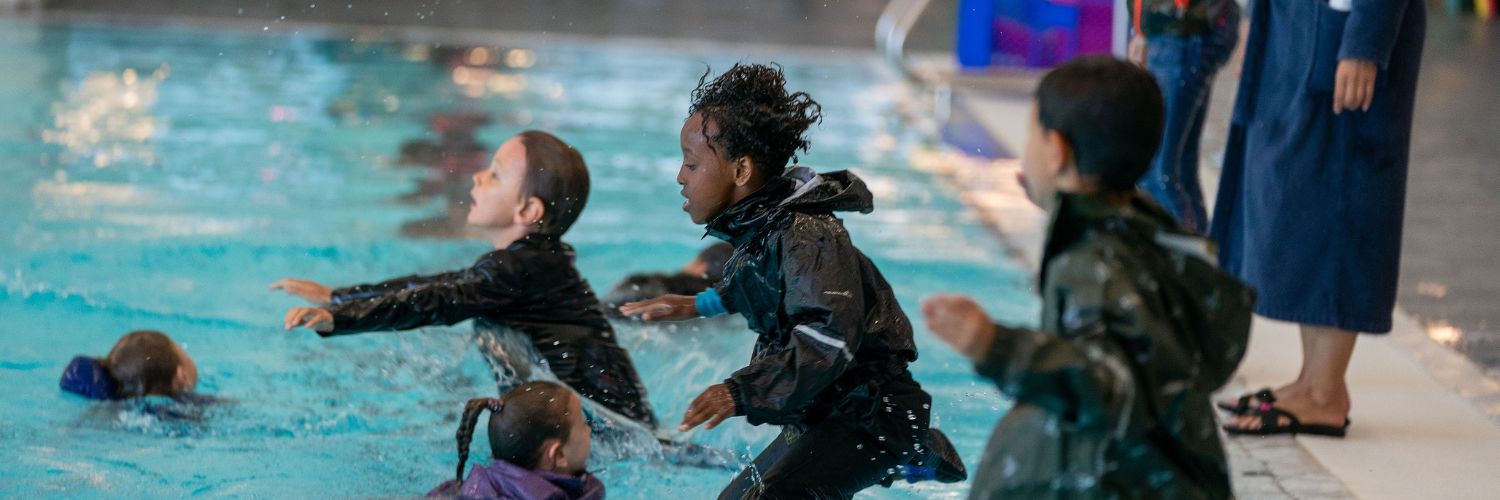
(497, 191)
(1042, 161)
(579, 439)
(708, 180)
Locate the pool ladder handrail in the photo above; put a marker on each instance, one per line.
(892, 28)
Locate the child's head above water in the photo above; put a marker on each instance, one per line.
(743, 128)
(149, 363)
(710, 262)
(1095, 126)
(535, 181)
(536, 426)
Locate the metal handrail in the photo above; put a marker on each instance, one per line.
(891, 29)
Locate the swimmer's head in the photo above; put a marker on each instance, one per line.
(709, 263)
(535, 426)
(743, 128)
(148, 363)
(1096, 124)
(536, 181)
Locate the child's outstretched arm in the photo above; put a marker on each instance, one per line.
(393, 285)
(664, 308)
(491, 285)
(1081, 375)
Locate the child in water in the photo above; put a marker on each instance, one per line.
(530, 195)
(830, 363)
(142, 363)
(540, 446)
(700, 274)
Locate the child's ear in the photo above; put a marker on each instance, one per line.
(744, 169)
(1059, 152)
(533, 210)
(553, 458)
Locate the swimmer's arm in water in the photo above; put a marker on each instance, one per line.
(489, 286)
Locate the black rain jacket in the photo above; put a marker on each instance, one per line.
(1112, 394)
(531, 287)
(833, 341)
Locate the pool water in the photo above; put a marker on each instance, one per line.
(162, 177)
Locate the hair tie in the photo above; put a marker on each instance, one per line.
(495, 405)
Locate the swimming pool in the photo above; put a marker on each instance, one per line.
(162, 177)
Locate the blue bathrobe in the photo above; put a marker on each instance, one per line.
(1310, 204)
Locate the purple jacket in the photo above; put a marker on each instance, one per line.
(502, 480)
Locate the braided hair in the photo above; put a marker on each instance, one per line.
(521, 422)
(755, 115)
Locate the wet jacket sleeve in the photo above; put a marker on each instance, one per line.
(492, 284)
(823, 300)
(1370, 32)
(372, 290)
(1080, 375)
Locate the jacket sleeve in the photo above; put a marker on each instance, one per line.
(372, 290)
(1080, 374)
(491, 284)
(823, 298)
(1371, 31)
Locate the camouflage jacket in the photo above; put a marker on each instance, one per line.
(1112, 392)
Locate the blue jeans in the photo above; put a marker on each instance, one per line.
(1184, 66)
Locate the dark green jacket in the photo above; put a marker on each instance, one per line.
(1180, 17)
(1112, 393)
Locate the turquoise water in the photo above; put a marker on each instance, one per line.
(162, 177)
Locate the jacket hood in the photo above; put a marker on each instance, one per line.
(1211, 310)
(800, 189)
(505, 480)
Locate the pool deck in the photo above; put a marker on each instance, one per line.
(1426, 420)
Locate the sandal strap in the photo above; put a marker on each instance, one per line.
(1270, 419)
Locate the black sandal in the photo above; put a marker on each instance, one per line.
(1270, 425)
(1249, 402)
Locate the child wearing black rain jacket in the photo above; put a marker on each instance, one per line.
(830, 362)
(1138, 327)
(532, 193)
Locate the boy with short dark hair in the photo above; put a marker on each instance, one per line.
(1138, 326)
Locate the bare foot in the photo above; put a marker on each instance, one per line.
(1311, 407)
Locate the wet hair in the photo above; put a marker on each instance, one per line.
(556, 174)
(521, 421)
(1109, 111)
(143, 363)
(714, 258)
(755, 115)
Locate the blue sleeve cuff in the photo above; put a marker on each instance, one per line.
(709, 304)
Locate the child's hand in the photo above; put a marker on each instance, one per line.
(713, 406)
(664, 308)
(960, 322)
(318, 320)
(309, 290)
